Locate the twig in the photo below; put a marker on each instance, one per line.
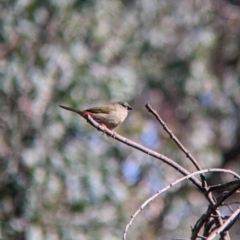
(174, 138)
(168, 187)
(192, 159)
(160, 157)
(204, 218)
(231, 220)
(231, 203)
(208, 226)
(223, 186)
(141, 148)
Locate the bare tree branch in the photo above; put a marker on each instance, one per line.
(170, 186)
(174, 138)
(141, 148)
(193, 160)
(206, 216)
(223, 186)
(226, 226)
(212, 211)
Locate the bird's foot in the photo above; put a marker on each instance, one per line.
(113, 133)
(104, 126)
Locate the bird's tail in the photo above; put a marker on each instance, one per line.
(71, 109)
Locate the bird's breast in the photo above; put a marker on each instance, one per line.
(112, 119)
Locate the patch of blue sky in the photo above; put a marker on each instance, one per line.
(131, 171)
(149, 136)
(206, 99)
(155, 180)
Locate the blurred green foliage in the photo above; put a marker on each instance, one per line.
(59, 177)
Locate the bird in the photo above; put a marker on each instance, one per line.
(109, 116)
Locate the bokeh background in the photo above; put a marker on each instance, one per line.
(62, 179)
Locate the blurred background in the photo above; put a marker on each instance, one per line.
(62, 179)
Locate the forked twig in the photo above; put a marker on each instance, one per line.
(206, 216)
(141, 148)
(170, 162)
(168, 187)
(231, 220)
(208, 195)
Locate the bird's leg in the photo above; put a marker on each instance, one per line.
(104, 126)
(113, 133)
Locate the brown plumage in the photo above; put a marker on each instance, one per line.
(110, 115)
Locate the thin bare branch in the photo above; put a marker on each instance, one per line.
(141, 148)
(166, 160)
(223, 186)
(192, 159)
(174, 138)
(231, 220)
(206, 216)
(168, 187)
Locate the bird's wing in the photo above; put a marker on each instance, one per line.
(105, 109)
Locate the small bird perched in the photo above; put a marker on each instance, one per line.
(109, 116)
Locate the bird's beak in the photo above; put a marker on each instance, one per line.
(129, 108)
